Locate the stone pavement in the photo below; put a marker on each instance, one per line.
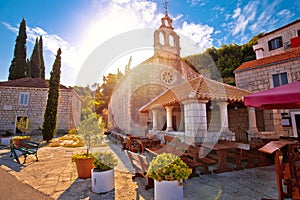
(55, 175)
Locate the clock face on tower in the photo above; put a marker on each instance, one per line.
(168, 77)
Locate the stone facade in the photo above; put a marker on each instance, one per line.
(286, 33)
(69, 108)
(259, 78)
(258, 75)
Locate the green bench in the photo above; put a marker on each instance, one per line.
(27, 148)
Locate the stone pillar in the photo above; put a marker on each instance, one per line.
(195, 121)
(225, 132)
(154, 120)
(252, 132)
(223, 115)
(169, 113)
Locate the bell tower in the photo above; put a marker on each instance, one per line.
(166, 40)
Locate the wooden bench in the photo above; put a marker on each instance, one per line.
(238, 155)
(191, 157)
(123, 143)
(140, 165)
(27, 148)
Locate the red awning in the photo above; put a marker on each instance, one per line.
(285, 96)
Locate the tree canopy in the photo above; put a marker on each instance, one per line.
(50, 116)
(220, 63)
(18, 63)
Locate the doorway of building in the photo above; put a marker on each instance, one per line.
(296, 124)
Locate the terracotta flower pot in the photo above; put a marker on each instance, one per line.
(84, 167)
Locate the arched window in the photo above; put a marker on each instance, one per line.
(161, 38)
(171, 40)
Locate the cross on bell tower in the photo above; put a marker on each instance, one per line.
(166, 4)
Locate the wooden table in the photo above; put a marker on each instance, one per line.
(147, 142)
(164, 149)
(222, 151)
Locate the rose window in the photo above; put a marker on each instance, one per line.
(168, 77)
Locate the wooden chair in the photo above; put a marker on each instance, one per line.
(123, 143)
(140, 165)
(241, 135)
(132, 145)
(150, 136)
(169, 140)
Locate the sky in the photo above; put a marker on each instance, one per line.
(99, 28)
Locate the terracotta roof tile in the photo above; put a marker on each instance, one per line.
(283, 57)
(200, 88)
(29, 83)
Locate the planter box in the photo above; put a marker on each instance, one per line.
(102, 181)
(168, 190)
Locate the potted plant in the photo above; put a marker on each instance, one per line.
(168, 172)
(103, 174)
(17, 140)
(88, 130)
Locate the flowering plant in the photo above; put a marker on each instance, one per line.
(82, 155)
(104, 160)
(169, 167)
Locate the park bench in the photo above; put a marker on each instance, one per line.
(140, 165)
(27, 148)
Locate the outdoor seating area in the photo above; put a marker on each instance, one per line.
(224, 156)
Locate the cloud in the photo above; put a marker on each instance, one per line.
(197, 2)
(10, 27)
(236, 13)
(219, 9)
(285, 13)
(243, 17)
(266, 20)
(201, 34)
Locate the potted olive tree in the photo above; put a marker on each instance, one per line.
(88, 130)
(168, 172)
(103, 174)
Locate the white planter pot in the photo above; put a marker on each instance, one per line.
(167, 190)
(103, 181)
(5, 141)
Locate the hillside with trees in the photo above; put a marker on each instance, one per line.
(219, 64)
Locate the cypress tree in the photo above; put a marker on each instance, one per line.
(27, 68)
(18, 63)
(41, 55)
(34, 67)
(50, 116)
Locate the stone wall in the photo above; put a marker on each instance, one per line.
(286, 34)
(68, 114)
(260, 79)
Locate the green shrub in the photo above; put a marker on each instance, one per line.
(104, 160)
(169, 167)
